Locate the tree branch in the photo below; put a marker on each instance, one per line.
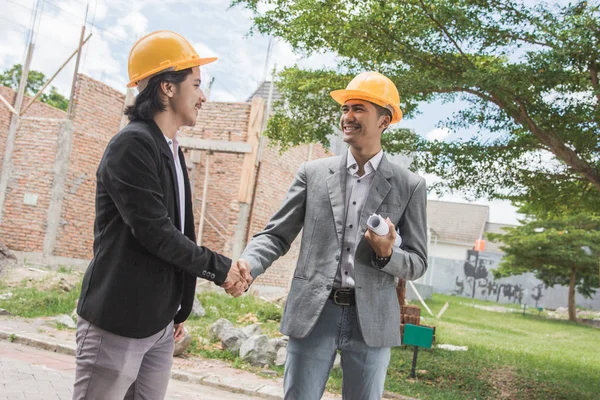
(594, 77)
(439, 66)
(562, 152)
(542, 27)
(445, 32)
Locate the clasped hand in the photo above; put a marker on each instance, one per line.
(238, 278)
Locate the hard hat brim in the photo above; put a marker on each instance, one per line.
(343, 95)
(194, 62)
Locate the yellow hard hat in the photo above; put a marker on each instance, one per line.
(373, 87)
(158, 51)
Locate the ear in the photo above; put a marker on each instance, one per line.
(167, 88)
(386, 122)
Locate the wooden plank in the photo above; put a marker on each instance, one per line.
(215, 146)
(248, 177)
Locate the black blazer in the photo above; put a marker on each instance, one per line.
(143, 268)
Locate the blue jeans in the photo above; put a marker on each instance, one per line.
(309, 360)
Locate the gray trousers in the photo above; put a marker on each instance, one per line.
(113, 367)
(309, 360)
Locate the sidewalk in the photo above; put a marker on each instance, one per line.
(194, 370)
(29, 373)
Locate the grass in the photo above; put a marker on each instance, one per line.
(243, 311)
(510, 356)
(32, 302)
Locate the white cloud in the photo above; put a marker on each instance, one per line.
(324, 60)
(132, 26)
(221, 95)
(57, 36)
(264, 7)
(99, 62)
(438, 134)
(204, 50)
(12, 47)
(565, 99)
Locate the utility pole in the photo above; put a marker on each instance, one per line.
(74, 84)
(209, 89)
(14, 125)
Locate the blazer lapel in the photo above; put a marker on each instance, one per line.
(190, 230)
(379, 189)
(336, 187)
(171, 167)
(167, 153)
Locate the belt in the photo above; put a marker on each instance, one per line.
(343, 297)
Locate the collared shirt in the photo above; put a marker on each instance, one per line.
(180, 183)
(357, 190)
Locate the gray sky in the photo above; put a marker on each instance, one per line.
(209, 25)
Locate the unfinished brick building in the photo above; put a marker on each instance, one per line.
(48, 207)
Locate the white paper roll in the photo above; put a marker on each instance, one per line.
(377, 224)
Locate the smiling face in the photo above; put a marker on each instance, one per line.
(361, 124)
(187, 99)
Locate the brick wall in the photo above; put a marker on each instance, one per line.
(24, 226)
(218, 121)
(37, 109)
(97, 115)
(276, 175)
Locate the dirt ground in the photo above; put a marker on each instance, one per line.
(22, 275)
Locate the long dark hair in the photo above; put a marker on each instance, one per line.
(149, 101)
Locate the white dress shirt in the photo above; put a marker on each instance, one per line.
(357, 190)
(173, 145)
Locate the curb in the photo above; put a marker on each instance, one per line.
(232, 385)
(37, 343)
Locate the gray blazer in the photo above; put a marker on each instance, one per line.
(315, 202)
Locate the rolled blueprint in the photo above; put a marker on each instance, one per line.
(377, 224)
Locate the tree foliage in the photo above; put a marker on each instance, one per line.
(559, 250)
(528, 73)
(35, 81)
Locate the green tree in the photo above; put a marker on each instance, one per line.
(35, 81)
(563, 250)
(529, 75)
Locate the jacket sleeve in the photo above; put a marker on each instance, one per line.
(129, 172)
(187, 300)
(410, 260)
(279, 233)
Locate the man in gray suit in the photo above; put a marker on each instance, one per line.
(343, 295)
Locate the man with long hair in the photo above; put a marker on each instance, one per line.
(140, 286)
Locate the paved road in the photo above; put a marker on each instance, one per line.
(27, 373)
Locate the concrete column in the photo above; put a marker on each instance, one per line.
(239, 236)
(61, 166)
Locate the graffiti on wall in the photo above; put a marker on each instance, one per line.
(477, 282)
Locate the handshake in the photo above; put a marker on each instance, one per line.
(238, 278)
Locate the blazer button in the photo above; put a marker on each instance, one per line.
(328, 287)
(212, 276)
(337, 258)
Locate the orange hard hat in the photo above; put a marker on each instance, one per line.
(161, 50)
(373, 87)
